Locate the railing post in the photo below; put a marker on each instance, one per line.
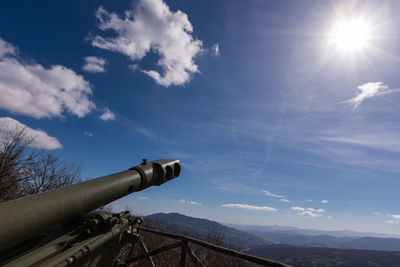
(183, 256)
(147, 251)
(189, 251)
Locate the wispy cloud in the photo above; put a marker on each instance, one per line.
(267, 193)
(376, 213)
(94, 64)
(379, 136)
(34, 90)
(316, 210)
(7, 49)
(369, 90)
(134, 126)
(40, 138)
(166, 33)
(309, 200)
(215, 49)
(324, 201)
(285, 200)
(248, 207)
(88, 134)
(232, 187)
(308, 209)
(107, 115)
(309, 213)
(143, 198)
(134, 67)
(189, 202)
(395, 218)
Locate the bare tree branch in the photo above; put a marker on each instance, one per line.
(25, 171)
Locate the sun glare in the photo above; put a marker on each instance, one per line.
(350, 35)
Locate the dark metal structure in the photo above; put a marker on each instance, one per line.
(183, 242)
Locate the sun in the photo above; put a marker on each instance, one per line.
(350, 35)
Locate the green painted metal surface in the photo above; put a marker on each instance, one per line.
(24, 218)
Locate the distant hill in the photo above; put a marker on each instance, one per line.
(251, 236)
(277, 243)
(295, 230)
(200, 228)
(292, 237)
(314, 256)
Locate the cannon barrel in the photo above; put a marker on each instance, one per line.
(23, 218)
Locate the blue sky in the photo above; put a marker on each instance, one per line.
(274, 120)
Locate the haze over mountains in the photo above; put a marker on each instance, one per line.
(308, 232)
(246, 237)
(291, 245)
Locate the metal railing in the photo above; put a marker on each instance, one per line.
(183, 243)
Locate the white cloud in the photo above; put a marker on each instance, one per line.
(41, 139)
(94, 64)
(368, 90)
(316, 210)
(153, 27)
(88, 134)
(267, 193)
(215, 49)
(309, 213)
(143, 198)
(248, 207)
(309, 200)
(134, 67)
(6, 49)
(194, 203)
(376, 213)
(395, 218)
(190, 202)
(39, 92)
(324, 201)
(108, 115)
(308, 209)
(329, 217)
(285, 200)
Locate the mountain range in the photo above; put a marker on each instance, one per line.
(245, 237)
(291, 245)
(201, 228)
(295, 230)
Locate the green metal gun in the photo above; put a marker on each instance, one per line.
(56, 228)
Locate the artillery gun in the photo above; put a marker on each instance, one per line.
(58, 228)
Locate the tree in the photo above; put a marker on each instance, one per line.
(46, 172)
(25, 171)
